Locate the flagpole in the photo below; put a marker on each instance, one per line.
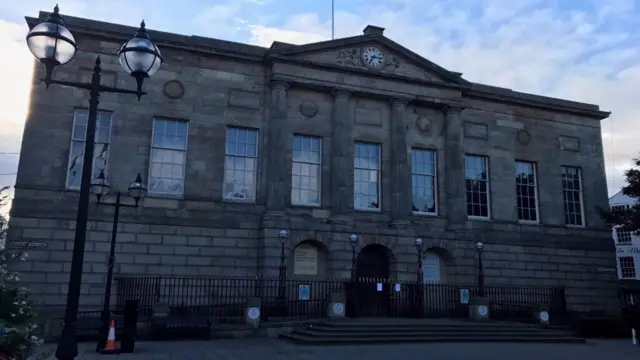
(333, 21)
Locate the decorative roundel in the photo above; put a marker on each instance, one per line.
(308, 109)
(482, 310)
(253, 313)
(173, 89)
(338, 308)
(544, 316)
(524, 137)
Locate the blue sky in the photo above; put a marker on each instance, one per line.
(586, 50)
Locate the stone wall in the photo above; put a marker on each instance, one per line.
(199, 234)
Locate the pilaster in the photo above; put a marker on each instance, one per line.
(399, 165)
(454, 167)
(341, 157)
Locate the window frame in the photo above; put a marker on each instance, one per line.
(255, 170)
(435, 181)
(378, 180)
(581, 197)
(293, 161)
(84, 142)
(488, 181)
(621, 229)
(185, 151)
(633, 263)
(535, 191)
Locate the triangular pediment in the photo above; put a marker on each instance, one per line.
(352, 53)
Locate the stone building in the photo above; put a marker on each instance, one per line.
(350, 136)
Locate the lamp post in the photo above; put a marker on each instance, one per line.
(53, 44)
(479, 248)
(353, 241)
(100, 187)
(419, 249)
(282, 274)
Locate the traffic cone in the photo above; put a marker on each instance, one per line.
(110, 346)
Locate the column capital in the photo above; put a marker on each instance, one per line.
(398, 101)
(340, 94)
(452, 109)
(279, 85)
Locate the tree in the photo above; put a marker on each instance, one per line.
(17, 319)
(628, 218)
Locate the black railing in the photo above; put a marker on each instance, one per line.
(224, 300)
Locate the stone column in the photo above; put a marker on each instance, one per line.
(399, 165)
(278, 130)
(341, 157)
(454, 167)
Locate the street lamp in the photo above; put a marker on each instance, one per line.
(53, 45)
(282, 274)
(419, 249)
(100, 187)
(479, 248)
(353, 241)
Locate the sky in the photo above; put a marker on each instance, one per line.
(583, 50)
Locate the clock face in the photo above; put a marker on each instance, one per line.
(373, 57)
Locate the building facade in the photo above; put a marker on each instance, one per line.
(351, 136)
(627, 252)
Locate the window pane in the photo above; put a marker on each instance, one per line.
(526, 191)
(76, 150)
(477, 185)
(240, 164)
(306, 170)
(423, 180)
(168, 157)
(572, 194)
(367, 176)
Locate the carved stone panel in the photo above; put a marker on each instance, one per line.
(569, 143)
(474, 130)
(350, 57)
(369, 117)
(308, 109)
(524, 137)
(244, 99)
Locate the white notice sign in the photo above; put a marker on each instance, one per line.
(397, 287)
(379, 286)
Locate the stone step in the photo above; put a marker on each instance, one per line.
(428, 329)
(347, 340)
(433, 333)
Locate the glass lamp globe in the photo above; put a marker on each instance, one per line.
(283, 236)
(137, 189)
(353, 239)
(100, 186)
(51, 42)
(479, 246)
(140, 57)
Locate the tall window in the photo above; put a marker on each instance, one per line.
(527, 191)
(78, 139)
(306, 170)
(168, 157)
(623, 235)
(240, 164)
(572, 193)
(367, 176)
(477, 184)
(423, 181)
(627, 267)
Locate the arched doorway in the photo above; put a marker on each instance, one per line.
(370, 296)
(431, 268)
(373, 262)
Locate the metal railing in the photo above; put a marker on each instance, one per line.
(224, 300)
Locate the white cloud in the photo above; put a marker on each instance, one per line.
(576, 56)
(592, 57)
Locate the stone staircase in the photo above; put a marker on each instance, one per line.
(376, 331)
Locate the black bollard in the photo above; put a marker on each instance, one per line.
(130, 326)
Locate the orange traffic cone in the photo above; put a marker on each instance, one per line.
(110, 346)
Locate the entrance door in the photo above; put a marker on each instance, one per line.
(372, 269)
(434, 295)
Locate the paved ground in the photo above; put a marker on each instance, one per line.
(270, 349)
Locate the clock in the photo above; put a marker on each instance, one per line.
(372, 57)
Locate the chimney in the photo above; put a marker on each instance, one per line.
(373, 30)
